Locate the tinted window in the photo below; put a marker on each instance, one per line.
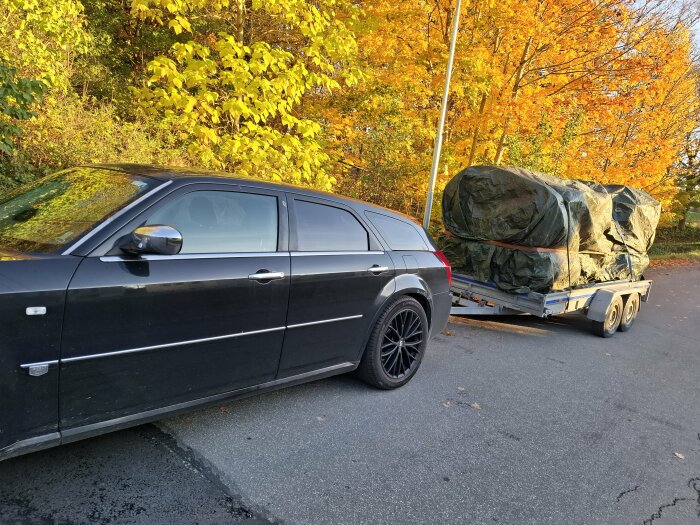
(56, 210)
(222, 221)
(398, 234)
(323, 228)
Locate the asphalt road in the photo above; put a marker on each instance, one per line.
(516, 420)
(134, 476)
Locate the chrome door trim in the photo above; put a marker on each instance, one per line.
(169, 345)
(334, 320)
(311, 254)
(30, 445)
(114, 217)
(40, 363)
(191, 341)
(190, 256)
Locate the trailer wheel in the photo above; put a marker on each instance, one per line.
(630, 311)
(613, 316)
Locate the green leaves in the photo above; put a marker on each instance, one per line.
(42, 37)
(16, 97)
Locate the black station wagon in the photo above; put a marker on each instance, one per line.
(132, 292)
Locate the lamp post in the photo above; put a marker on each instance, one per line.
(441, 123)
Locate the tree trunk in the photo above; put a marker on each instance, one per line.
(519, 74)
(477, 128)
(243, 29)
(501, 145)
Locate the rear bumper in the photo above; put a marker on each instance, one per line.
(442, 303)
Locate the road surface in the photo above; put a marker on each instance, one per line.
(516, 420)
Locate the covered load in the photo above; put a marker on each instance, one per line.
(637, 214)
(527, 231)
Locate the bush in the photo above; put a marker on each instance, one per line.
(67, 133)
(672, 242)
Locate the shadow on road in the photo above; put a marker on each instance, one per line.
(527, 325)
(133, 476)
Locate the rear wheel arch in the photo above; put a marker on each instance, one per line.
(419, 294)
(425, 303)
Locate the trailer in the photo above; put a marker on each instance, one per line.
(611, 306)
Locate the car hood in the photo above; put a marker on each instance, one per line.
(6, 255)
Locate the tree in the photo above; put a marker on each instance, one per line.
(43, 38)
(85, 55)
(345, 94)
(580, 89)
(232, 87)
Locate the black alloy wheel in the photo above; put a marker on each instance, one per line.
(401, 344)
(396, 346)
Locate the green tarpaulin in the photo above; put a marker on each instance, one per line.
(527, 231)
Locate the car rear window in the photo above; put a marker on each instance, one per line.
(399, 235)
(322, 228)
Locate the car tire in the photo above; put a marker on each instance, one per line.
(613, 316)
(396, 345)
(630, 311)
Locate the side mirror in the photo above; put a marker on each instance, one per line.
(158, 239)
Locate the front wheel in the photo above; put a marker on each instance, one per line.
(396, 346)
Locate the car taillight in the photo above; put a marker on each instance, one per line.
(444, 261)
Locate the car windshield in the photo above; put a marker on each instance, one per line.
(52, 212)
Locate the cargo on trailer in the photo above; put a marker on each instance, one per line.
(529, 232)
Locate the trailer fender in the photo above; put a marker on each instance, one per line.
(598, 308)
(647, 294)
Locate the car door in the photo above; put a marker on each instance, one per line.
(32, 295)
(143, 333)
(340, 277)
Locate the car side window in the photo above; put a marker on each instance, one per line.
(322, 228)
(222, 221)
(398, 234)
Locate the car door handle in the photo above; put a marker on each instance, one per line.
(264, 275)
(376, 270)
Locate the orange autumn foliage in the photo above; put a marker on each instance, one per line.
(586, 89)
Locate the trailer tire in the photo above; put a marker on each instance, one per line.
(613, 316)
(630, 311)
(401, 328)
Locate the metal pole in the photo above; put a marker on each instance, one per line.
(441, 124)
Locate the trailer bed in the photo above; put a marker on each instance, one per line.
(473, 297)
